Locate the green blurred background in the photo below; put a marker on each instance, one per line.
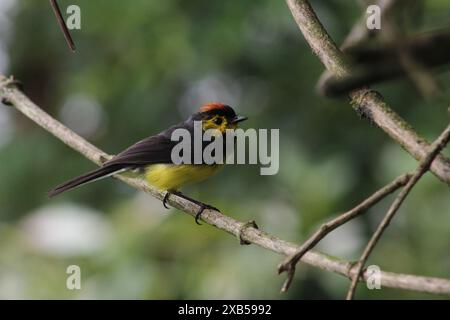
(144, 65)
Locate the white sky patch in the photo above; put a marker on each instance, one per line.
(217, 87)
(83, 114)
(66, 230)
(347, 240)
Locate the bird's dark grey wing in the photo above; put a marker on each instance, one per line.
(151, 150)
(156, 149)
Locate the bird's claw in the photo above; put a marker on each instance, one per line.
(202, 208)
(245, 225)
(166, 197)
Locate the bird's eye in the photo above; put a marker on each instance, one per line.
(218, 121)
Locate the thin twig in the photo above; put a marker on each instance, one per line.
(364, 100)
(62, 25)
(394, 58)
(359, 33)
(290, 262)
(412, 65)
(372, 65)
(212, 217)
(424, 165)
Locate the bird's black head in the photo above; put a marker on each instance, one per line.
(215, 115)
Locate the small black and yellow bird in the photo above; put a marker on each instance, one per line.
(151, 157)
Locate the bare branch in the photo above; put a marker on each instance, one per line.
(211, 217)
(423, 167)
(364, 100)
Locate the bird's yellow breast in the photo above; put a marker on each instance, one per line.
(172, 177)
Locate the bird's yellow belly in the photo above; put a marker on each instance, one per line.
(172, 177)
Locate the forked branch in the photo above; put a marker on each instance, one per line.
(423, 167)
(371, 104)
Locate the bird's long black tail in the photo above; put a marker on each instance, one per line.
(99, 173)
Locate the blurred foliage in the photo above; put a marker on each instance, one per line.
(144, 65)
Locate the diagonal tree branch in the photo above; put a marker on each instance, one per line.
(225, 223)
(289, 263)
(364, 100)
(423, 167)
(62, 25)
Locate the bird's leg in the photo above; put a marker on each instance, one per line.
(245, 225)
(202, 205)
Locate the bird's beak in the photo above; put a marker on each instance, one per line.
(239, 119)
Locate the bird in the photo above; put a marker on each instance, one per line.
(151, 159)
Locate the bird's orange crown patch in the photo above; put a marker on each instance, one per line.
(211, 106)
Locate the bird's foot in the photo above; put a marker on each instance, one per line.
(202, 208)
(166, 197)
(245, 225)
(202, 205)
